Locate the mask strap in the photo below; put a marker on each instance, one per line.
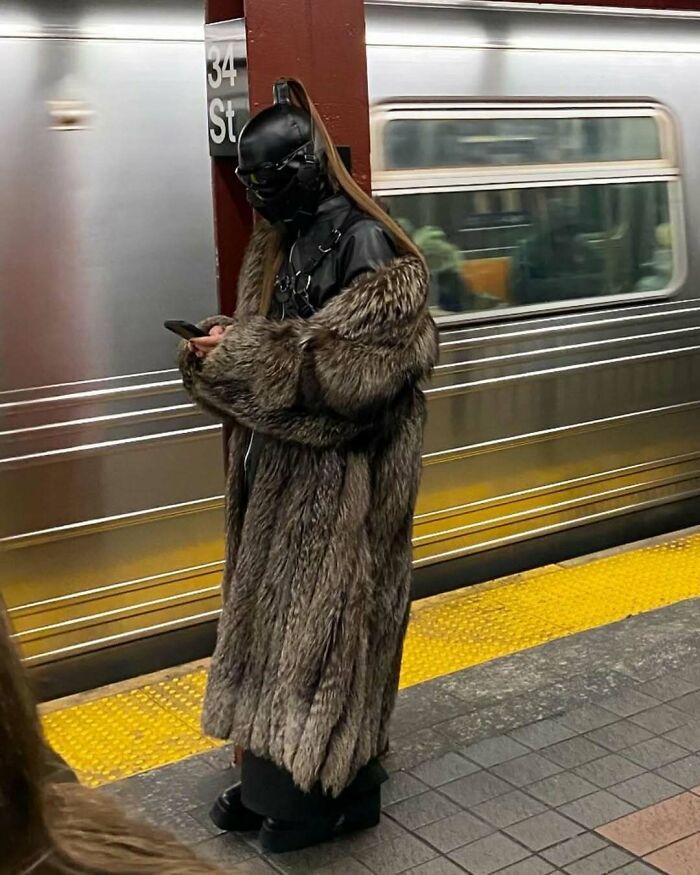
(280, 92)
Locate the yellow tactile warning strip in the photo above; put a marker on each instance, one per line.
(129, 732)
(121, 735)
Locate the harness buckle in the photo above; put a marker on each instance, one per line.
(336, 234)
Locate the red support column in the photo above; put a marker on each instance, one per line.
(323, 44)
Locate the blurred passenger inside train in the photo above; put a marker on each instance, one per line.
(451, 292)
(52, 826)
(318, 375)
(560, 261)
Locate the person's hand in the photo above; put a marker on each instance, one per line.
(202, 346)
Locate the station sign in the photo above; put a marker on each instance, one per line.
(228, 100)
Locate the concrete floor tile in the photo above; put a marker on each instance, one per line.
(439, 866)
(226, 849)
(683, 858)
(609, 770)
(544, 830)
(390, 858)
(574, 849)
(509, 809)
(574, 752)
(351, 845)
(344, 866)
(687, 736)
(562, 788)
(637, 868)
(654, 753)
(474, 789)
(542, 734)
(685, 772)
(689, 703)
(423, 706)
(646, 790)
(261, 867)
(448, 767)
(530, 866)
(181, 824)
(649, 830)
(488, 855)
(628, 702)
(401, 786)
(526, 770)
(668, 687)
(600, 863)
(690, 673)
(408, 751)
(587, 718)
(619, 735)
(421, 810)
(455, 831)
(494, 751)
(600, 808)
(663, 718)
(201, 815)
(307, 860)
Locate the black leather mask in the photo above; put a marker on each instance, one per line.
(280, 166)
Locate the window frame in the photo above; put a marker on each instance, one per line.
(436, 180)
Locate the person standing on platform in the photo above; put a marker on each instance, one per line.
(319, 377)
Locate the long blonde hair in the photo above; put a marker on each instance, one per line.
(65, 829)
(341, 180)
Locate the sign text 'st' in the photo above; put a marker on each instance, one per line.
(228, 102)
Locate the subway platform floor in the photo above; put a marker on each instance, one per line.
(581, 755)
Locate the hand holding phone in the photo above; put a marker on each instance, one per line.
(200, 343)
(185, 330)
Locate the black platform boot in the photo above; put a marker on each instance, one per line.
(357, 813)
(230, 814)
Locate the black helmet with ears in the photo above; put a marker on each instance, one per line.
(280, 163)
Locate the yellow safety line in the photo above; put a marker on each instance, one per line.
(130, 732)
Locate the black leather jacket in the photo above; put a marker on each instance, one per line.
(358, 244)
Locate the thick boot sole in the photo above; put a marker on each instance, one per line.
(362, 813)
(234, 821)
(281, 841)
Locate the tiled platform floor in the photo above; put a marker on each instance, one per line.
(148, 723)
(581, 756)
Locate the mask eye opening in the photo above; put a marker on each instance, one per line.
(264, 174)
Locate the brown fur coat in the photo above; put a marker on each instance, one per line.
(318, 566)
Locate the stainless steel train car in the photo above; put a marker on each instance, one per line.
(543, 158)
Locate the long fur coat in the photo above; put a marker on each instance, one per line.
(318, 559)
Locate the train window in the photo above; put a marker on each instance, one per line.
(542, 207)
(514, 247)
(476, 142)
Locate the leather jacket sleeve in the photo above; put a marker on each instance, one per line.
(367, 246)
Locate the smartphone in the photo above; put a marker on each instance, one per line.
(186, 330)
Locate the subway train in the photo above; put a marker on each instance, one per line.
(545, 159)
